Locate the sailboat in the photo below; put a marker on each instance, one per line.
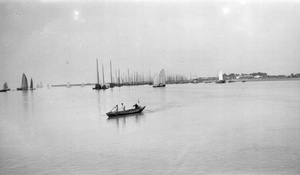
(97, 86)
(5, 88)
(221, 80)
(155, 80)
(24, 84)
(103, 86)
(111, 85)
(31, 85)
(160, 81)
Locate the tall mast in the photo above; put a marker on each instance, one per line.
(103, 74)
(116, 76)
(111, 80)
(128, 76)
(97, 73)
(119, 77)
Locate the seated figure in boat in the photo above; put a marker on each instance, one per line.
(116, 107)
(136, 106)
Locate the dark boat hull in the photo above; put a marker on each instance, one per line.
(127, 112)
(159, 86)
(4, 90)
(97, 87)
(22, 89)
(220, 81)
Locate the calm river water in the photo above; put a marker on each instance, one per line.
(237, 128)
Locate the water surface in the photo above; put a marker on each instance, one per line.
(237, 128)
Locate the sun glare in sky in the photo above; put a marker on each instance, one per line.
(76, 15)
(226, 10)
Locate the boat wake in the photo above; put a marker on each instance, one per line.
(162, 108)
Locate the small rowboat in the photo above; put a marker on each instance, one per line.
(126, 112)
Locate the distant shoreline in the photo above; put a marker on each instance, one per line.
(268, 79)
(236, 80)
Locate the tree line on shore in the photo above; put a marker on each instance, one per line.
(256, 75)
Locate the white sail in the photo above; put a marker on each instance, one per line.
(162, 77)
(220, 75)
(155, 80)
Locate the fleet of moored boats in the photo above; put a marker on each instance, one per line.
(158, 81)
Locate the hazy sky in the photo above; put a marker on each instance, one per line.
(58, 41)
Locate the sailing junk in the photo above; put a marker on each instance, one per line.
(97, 86)
(221, 80)
(160, 81)
(31, 85)
(24, 85)
(103, 86)
(5, 88)
(111, 79)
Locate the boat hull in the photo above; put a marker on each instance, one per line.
(22, 89)
(159, 86)
(220, 81)
(4, 90)
(126, 112)
(97, 87)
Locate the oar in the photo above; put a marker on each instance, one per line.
(112, 109)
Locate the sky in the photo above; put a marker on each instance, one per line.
(58, 41)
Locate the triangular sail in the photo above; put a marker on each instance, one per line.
(24, 84)
(5, 87)
(31, 84)
(220, 75)
(162, 77)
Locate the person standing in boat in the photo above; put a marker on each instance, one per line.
(122, 107)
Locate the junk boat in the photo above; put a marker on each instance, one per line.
(160, 81)
(221, 80)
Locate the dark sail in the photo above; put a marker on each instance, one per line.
(31, 84)
(5, 87)
(24, 84)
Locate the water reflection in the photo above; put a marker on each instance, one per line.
(25, 101)
(99, 101)
(124, 119)
(28, 112)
